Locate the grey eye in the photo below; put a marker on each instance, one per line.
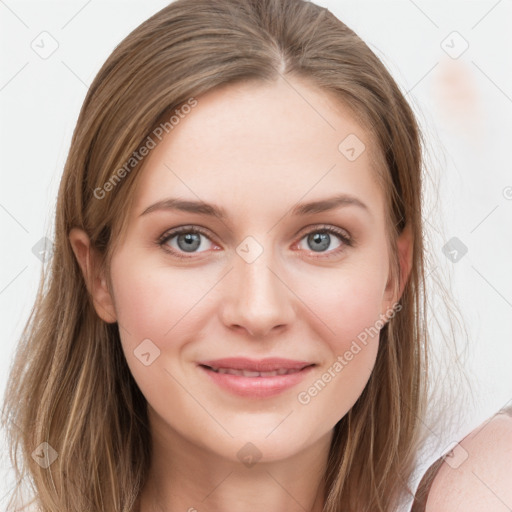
(319, 241)
(189, 242)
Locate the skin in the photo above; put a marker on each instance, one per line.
(256, 150)
(479, 475)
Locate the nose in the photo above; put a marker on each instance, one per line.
(257, 297)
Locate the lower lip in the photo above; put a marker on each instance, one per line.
(256, 387)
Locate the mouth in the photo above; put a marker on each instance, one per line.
(249, 373)
(256, 379)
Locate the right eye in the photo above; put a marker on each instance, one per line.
(188, 240)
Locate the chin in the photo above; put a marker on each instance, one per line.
(265, 444)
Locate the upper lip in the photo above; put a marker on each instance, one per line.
(256, 365)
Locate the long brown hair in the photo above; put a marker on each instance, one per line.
(70, 385)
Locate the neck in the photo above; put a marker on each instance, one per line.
(186, 477)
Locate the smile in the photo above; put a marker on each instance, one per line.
(256, 379)
(249, 373)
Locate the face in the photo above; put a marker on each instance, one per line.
(267, 279)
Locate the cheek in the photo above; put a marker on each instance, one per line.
(160, 305)
(348, 305)
(347, 301)
(152, 301)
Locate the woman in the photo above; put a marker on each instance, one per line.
(192, 347)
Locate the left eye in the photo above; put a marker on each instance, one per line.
(188, 240)
(320, 240)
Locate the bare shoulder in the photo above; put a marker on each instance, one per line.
(477, 475)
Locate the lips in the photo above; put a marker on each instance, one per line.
(253, 365)
(250, 373)
(256, 378)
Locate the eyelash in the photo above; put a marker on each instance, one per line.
(168, 235)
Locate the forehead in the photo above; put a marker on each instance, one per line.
(272, 144)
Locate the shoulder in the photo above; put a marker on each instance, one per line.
(477, 474)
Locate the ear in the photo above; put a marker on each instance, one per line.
(404, 245)
(89, 262)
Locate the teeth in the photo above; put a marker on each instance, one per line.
(269, 374)
(249, 373)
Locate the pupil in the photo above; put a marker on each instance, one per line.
(321, 240)
(192, 241)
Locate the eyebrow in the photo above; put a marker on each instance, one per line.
(202, 208)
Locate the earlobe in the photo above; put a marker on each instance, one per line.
(404, 246)
(88, 260)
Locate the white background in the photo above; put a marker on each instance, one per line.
(464, 105)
